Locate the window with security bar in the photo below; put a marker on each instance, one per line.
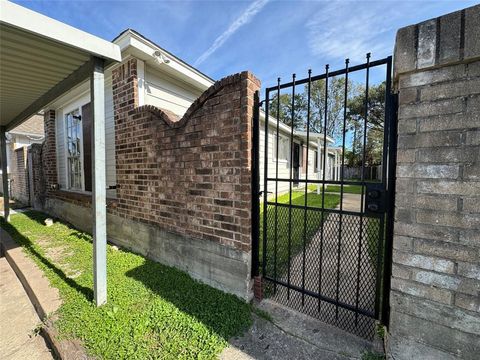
(73, 126)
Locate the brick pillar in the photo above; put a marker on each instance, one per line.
(49, 152)
(125, 100)
(37, 190)
(435, 303)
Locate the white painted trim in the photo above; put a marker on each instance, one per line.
(141, 82)
(25, 19)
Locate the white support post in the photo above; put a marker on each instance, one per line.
(319, 161)
(3, 153)
(97, 91)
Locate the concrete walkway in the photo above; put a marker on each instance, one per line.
(349, 276)
(292, 335)
(18, 321)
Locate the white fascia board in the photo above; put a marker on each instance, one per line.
(24, 133)
(147, 49)
(25, 19)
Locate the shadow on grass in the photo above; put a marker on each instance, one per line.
(28, 245)
(224, 314)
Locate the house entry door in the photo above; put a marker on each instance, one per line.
(296, 164)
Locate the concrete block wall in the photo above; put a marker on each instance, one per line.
(435, 295)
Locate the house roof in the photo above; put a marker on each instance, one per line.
(32, 126)
(135, 44)
(40, 58)
(169, 54)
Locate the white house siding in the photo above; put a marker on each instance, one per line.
(165, 92)
(283, 165)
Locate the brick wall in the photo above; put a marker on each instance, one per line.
(184, 184)
(49, 153)
(435, 298)
(19, 175)
(37, 198)
(190, 176)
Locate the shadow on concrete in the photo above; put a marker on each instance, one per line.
(28, 245)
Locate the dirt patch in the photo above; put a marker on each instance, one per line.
(58, 254)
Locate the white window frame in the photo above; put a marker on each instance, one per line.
(288, 149)
(68, 108)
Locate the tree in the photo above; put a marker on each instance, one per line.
(284, 111)
(375, 121)
(335, 106)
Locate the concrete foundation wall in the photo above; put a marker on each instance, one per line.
(435, 296)
(219, 266)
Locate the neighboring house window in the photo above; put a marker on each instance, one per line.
(73, 126)
(283, 148)
(315, 164)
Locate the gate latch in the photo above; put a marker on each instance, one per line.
(374, 198)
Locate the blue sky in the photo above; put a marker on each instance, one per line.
(270, 38)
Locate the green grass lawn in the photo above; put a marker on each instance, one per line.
(153, 311)
(313, 223)
(349, 189)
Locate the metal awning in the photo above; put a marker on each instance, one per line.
(41, 59)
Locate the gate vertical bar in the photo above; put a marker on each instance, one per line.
(265, 186)
(379, 301)
(391, 114)
(322, 225)
(256, 184)
(292, 125)
(306, 186)
(340, 217)
(360, 237)
(276, 189)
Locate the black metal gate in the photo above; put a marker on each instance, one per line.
(322, 238)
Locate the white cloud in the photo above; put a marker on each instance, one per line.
(242, 20)
(351, 29)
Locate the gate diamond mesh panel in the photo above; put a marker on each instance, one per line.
(324, 224)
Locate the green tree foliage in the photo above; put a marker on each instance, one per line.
(285, 110)
(335, 105)
(374, 120)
